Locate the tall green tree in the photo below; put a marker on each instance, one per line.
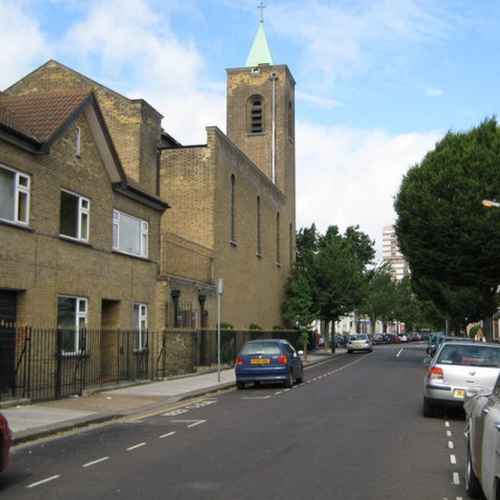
(445, 233)
(380, 295)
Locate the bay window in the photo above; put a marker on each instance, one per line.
(14, 196)
(130, 234)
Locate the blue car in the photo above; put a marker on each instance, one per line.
(268, 361)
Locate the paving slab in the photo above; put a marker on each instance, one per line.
(35, 416)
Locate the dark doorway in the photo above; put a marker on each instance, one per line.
(8, 307)
(110, 340)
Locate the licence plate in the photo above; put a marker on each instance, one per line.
(459, 393)
(260, 361)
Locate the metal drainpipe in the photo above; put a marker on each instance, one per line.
(273, 147)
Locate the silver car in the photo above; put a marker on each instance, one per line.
(359, 342)
(459, 370)
(483, 444)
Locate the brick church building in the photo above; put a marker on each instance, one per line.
(108, 221)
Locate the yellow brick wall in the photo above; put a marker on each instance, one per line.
(133, 124)
(45, 265)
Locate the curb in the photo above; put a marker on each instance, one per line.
(26, 436)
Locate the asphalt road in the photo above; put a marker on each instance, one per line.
(353, 430)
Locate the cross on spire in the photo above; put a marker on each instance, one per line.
(261, 7)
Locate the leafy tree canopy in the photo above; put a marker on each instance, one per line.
(443, 229)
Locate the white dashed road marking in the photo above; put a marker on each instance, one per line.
(453, 459)
(256, 397)
(94, 462)
(139, 445)
(168, 434)
(43, 481)
(194, 424)
(447, 424)
(456, 478)
(448, 433)
(399, 353)
(451, 445)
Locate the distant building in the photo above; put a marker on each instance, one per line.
(392, 254)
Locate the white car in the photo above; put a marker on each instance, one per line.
(482, 432)
(359, 342)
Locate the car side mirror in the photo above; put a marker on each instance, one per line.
(427, 360)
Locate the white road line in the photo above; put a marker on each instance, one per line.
(256, 397)
(448, 434)
(447, 424)
(460, 498)
(456, 478)
(451, 445)
(98, 461)
(168, 434)
(139, 445)
(453, 459)
(196, 423)
(287, 390)
(281, 392)
(399, 353)
(43, 481)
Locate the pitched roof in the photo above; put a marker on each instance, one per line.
(39, 115)
(259, 53)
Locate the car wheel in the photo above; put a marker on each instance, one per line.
(472, 484)
(240, 385)
(289, 380)
(428, 409)
(349, 351)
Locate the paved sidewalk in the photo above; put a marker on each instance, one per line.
(42, 419)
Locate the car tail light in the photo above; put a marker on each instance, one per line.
(283, 360)
(435, 373)
(240, 360)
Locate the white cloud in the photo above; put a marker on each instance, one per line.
(434, 92)
(138, 53)
(348, 176)
(23, 43)
(324, 102)
(342, 38)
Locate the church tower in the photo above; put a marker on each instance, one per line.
(261, 119)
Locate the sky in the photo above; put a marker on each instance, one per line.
(379, 82)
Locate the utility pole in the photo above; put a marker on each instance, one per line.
(220, 291)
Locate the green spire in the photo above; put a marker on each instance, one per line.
(259, 53)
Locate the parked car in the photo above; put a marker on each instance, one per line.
(459, 369)
(433, 348)
(403, 338)
(5, 443)
(269, 361)
(359, 342)
(482, 414)
(378, 339)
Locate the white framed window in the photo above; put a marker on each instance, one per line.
(130, 234)
(141, 326)
(74, 216)
(14, 196)
(71, 321)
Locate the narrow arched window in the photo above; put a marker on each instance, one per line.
(259, 239)
(290, 120)
(256, 114)
(232, 208)
(278, 253)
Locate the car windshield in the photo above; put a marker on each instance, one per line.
(359, 337)
(470, 355)
(269, 348)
